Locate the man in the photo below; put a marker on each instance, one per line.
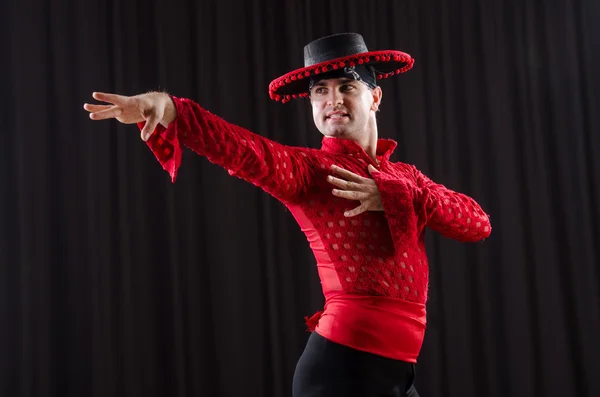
(363, 215)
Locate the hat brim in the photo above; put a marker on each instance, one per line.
(295, 83)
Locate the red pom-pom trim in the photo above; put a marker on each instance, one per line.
(379, 56)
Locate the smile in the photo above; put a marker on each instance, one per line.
(338, 116)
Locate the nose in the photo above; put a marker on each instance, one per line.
(335, 98)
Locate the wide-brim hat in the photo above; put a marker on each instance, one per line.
(331, 53)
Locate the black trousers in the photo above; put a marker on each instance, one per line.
(328, 369)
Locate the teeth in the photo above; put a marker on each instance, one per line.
(336, 116)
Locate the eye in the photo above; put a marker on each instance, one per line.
(320, 90)
(346, 87)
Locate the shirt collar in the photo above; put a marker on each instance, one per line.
(385, 147)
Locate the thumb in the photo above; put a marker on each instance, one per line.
(151, 124)
(372, 169)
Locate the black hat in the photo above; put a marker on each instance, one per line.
(334, 52)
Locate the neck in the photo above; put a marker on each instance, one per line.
(369, 141)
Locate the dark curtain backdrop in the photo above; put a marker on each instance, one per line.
(115, 282)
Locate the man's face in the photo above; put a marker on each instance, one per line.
(344, 108)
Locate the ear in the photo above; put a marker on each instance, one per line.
(377, 95)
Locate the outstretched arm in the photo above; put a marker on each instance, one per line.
(280, 170)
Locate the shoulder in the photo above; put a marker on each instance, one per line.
(404, 168)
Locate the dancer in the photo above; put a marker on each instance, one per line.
(363, 215)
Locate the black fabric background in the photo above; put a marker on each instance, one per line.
(114, 282)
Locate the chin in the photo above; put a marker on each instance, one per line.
(335, 132)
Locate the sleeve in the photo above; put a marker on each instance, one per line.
(454, 215)
(398, 194)
(412, 201)
(280, 170)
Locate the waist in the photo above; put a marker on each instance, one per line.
(389, 327)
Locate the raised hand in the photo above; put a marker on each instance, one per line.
(355, 187)
(153, 107)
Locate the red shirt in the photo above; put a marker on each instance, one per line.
(373, 267)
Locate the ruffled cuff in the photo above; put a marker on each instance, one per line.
(398, 199)
(164, 142)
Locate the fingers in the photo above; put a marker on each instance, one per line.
(111, 112)
(115, 99)
(351, 195)
(342, 184)
(95, 108)
(358, 210)
(367, 186)
(347, 174)
(372, 169)
(151, 124)
(103, 112)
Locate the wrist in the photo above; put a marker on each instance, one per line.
(170, 111)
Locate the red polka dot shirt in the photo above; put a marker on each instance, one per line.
(373, 267)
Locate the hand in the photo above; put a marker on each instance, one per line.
(355, 187)
(153, 107)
